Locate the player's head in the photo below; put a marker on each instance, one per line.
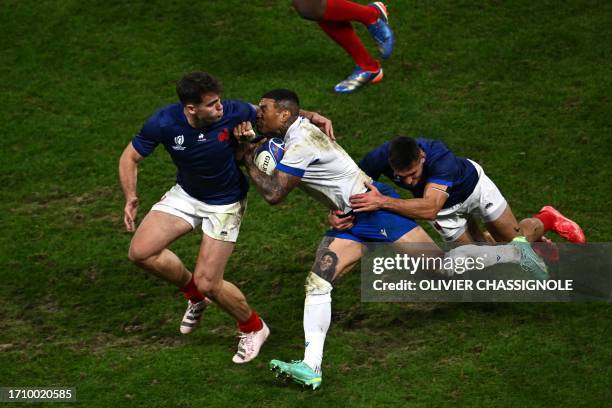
(406, 159)
(200, 94)
(278, 109)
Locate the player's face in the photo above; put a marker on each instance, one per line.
(269, 118)
(412, 174)
(210, 110)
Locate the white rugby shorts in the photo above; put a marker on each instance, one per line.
(221, 222)
(486, 203)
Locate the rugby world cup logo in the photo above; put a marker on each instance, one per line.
(178, 142)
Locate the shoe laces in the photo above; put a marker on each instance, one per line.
(246, 341)
(194, 308)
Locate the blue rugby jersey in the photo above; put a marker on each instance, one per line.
(441, 167)
(204, 158)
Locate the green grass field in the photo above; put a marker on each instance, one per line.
(522, 87)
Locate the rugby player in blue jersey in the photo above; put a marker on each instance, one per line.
(210, 192)
(449, 191)
(323, 170)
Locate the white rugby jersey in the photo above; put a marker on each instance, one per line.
(328, 173)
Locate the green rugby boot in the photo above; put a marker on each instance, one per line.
(297, 371)
(530, 261)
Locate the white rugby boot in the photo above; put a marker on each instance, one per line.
(193, 315)
(250, 343)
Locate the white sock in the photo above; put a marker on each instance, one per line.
(316, 323)
(488, 255)
(317, 317)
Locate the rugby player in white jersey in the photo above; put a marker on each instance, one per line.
(320, 167)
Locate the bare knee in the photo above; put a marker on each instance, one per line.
(209, 287)
(141, 256)
(310, 9)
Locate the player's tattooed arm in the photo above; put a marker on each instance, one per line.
(273, 188)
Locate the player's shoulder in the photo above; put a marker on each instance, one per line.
(382, 150)
(302, 131)
(166, 116)
(232, 105)
(237, 109)
(432, 147)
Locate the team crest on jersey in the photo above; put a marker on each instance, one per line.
(223, 136)
(178, 143)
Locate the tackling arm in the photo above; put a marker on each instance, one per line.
(425, 208)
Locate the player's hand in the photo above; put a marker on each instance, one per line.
(129, 214)
(324, 124)
(244, 132)
(369, 201)
(340, 223)
(248, 152)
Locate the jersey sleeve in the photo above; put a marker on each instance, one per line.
(296, 159)
(244, 111)
(443, 170)
(148, 138)
(376, 161)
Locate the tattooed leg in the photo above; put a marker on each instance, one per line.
(334, 258)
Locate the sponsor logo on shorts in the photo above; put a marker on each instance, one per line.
(383, 232)
(488, 205)
(178, 142)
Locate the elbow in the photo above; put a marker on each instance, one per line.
(273, 200)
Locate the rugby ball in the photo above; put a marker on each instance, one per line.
(269, 154)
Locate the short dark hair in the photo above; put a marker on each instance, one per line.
(404, 151)
(192, 86)
(285, 99)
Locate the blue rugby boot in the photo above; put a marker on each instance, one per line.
(381, 32)
(357, 79)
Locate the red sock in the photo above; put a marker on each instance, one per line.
(253, 323)
(547, 219)
(345, 10)
(346, 37)
(191, 292)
